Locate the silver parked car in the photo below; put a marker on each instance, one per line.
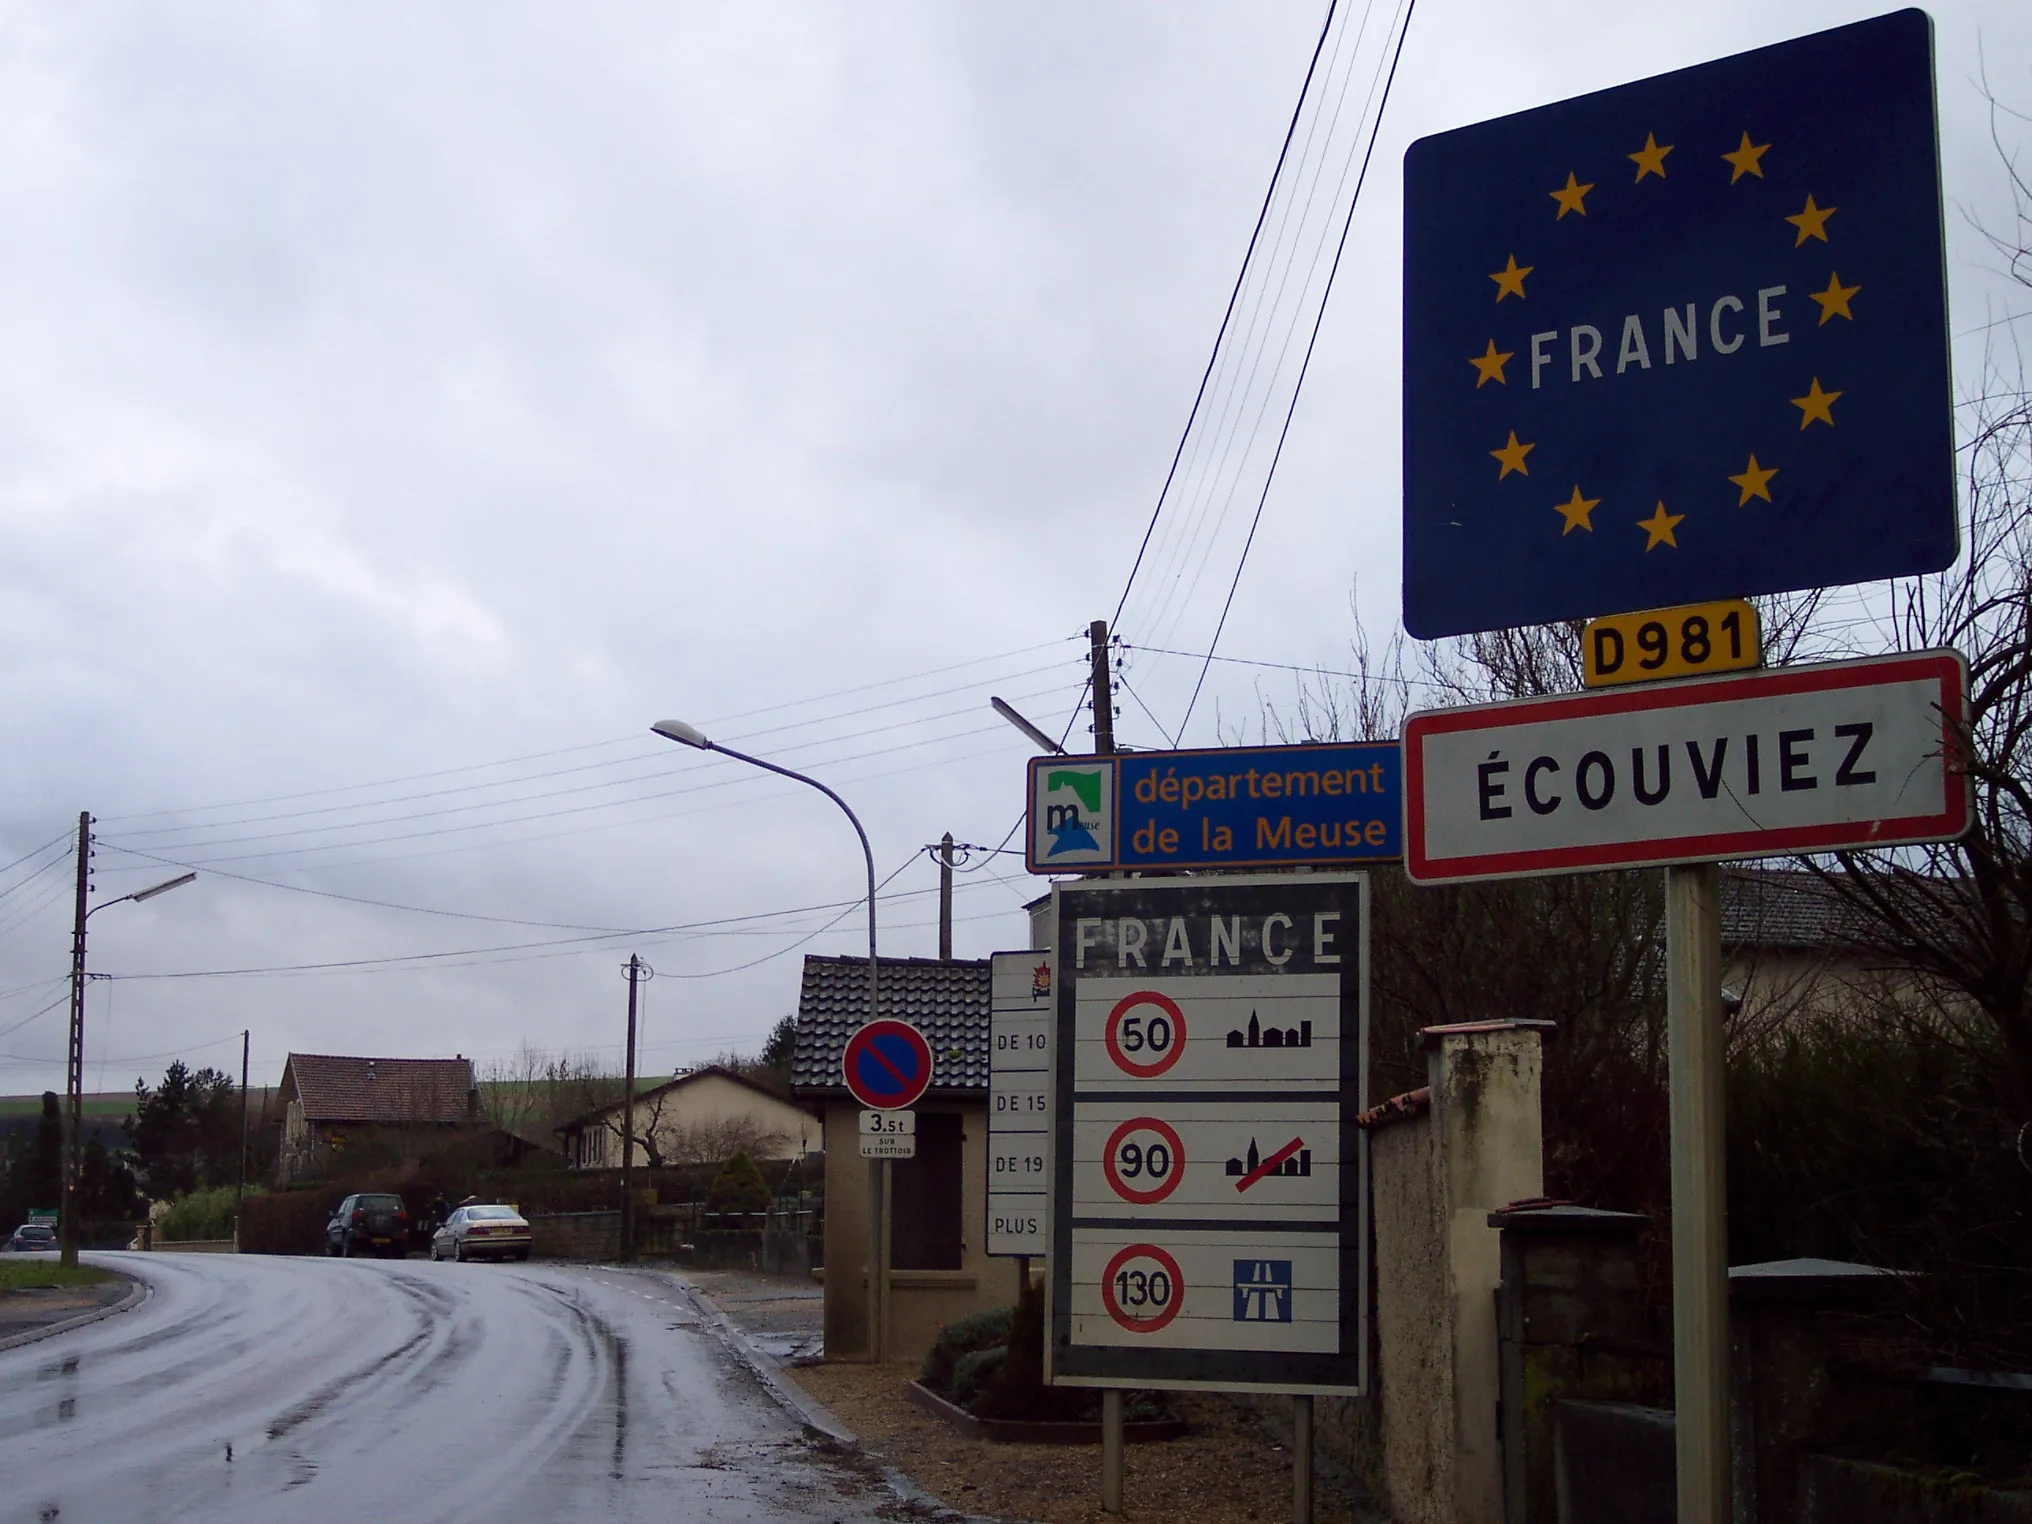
(482, 1232)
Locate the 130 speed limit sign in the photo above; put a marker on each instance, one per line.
(1143, 1288)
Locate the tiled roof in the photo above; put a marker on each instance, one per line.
(948, 1002)
(1785, 908)
(336, 1088)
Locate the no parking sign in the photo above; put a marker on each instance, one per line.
(887, 1065)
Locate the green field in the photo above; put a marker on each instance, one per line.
(110, 1104)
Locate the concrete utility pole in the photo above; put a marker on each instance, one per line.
(1104, 697)
(635, 976)
(945, 867)
(74, 1062)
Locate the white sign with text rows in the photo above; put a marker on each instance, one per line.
(1019, 1102)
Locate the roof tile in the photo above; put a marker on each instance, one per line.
(948, 1002)
(339, 1088)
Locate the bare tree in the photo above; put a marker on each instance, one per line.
(1960, 915)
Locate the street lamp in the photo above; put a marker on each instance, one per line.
(691, 735)
(878, 1256)
(75, 1067)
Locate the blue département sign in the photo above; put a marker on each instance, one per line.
(1680, 340)
(1317, 804)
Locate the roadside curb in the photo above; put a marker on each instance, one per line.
(137, 1292)
(768, 1370)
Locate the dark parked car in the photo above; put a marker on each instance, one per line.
(367, 1224)
(31, 1236)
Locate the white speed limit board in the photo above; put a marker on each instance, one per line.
(1209, 1184)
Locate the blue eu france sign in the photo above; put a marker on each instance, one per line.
(1314, 805)
(1680, 340)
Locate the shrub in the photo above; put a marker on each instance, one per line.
(964, 1336)
(200, 1215)
(739, 1187)
(972, 1371)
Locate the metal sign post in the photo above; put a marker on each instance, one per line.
(1696, 1068)
(887, 1067)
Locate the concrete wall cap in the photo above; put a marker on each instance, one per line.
(1433, 1036)
(1565, 1217)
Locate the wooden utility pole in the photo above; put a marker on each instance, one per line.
(240, 1192)
(74, 1062)
(635, 977)
(945, 867)
(1104, 698)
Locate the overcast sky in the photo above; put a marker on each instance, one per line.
(401, 408)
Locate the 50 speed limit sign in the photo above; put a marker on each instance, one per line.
(1145, 1034)
(1208, 1182)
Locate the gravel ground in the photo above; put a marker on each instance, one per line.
(1233, 1467)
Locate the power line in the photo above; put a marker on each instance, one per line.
(1226, 316)
(734, 779)
(656, 752)
(588, 942)
(631, 739)
(1304, 366)
(1250, 352)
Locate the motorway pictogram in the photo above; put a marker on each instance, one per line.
(1145, 1034)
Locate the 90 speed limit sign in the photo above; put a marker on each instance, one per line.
(1144, 1160)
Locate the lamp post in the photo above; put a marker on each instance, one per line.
(691, 735)
(74, 1075)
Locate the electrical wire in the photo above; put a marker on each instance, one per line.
(734, 779)
(660, 752)
(1304, 367)
(631, 739)
(1252, 348)
(1227, 316)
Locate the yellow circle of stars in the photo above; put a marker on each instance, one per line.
(1753, 482)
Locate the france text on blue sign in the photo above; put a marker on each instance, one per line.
(1238, 807)
(1680, 340)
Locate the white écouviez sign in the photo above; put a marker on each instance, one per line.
(1797, 759)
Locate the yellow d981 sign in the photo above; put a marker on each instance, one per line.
(1682, 642)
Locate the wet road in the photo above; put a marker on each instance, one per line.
(301, 1389)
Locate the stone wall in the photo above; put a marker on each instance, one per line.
(1426, 1441)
